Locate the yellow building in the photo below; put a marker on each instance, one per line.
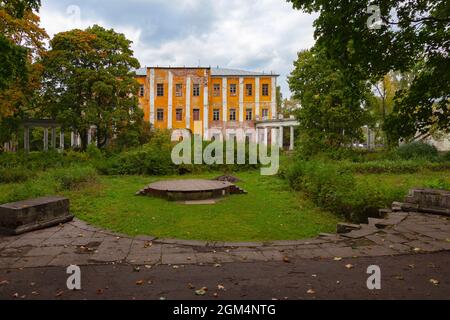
(177, 98)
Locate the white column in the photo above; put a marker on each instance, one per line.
(72, 139)
(266, 136)
(26, 139)
(281, 140)
(241, 99)
(61, 140)
(225, 99)
(274, 98)
(89, 135)
(257, 97)
(257, 136)
(188, 102)
(206, 110)
(152, 96)
(275, 136)
(292, 138)
(53, 141)
(45, 139)
(170, 104)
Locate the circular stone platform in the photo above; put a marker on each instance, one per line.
(189, 190)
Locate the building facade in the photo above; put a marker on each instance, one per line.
(220, 99)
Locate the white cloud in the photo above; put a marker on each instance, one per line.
(260, 35)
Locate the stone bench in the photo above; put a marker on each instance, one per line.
(29, 215)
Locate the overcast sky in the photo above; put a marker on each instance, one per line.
(254, 35)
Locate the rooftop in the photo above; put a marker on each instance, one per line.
(216, 72)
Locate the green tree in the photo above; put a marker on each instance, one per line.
(22, 43)
(410, 35)
(332, 102)
(88, 80)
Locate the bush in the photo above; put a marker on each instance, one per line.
(333, 187)
(418, 150)
(13, 175)
(50, 183)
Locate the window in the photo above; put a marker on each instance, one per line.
(160, 115)
(265, 90)
(249, 89)
(249, 115)
(196, 114)
(196, 90)
(232, 114)
(160, 90)
(141, 90)
(233, 89)
(179, 114)
(216, 115)
(216, 90)
(179, 90)
(265, 113)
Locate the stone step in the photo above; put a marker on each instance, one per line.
(347, 227)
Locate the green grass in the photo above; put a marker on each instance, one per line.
(270, 211)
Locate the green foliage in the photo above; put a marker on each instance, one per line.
(50, 182)
(18, 174)
(418, 150)
(332, 114)
(334, 186)
(89, 81)
(438, 183)
(413, 36)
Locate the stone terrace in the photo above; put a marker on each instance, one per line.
(81, 244)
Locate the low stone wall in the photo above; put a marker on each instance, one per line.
(25, 216)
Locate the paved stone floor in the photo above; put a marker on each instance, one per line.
(81, 244)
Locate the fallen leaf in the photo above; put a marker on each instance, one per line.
(59, 294)
(311, 291)
(216, 295)
(399, 278)
(139, 282)
(16, 295)
(417, 249)
(286, 260)
(220, 287)
(148, 266)
(176, 267)
(200, 292)
(4, 282)
(191, 286)
(337, 259)
(349, 266)
(217, 265)
(434, 282)
(136, 269)
(35, 293)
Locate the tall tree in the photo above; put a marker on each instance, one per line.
(332, 102)
(22, 43)
(393, 35)
(88, 80)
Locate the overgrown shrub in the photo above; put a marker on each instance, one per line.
(50, 182)
(13, 175)
(418, 150)
(333, 187)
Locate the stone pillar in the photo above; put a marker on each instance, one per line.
(257, 97)
(188, 102)
(257, 136)
(281, 137)
(225, 99)
(61, 140)
(292, 139)
(170, 103)
(241, 99)
(266, 136)
(72, 139)
(206, 109)
(45, 139)
(89, 136)
(275, 135)
(53, 143)
(152, 96)
(26, 139)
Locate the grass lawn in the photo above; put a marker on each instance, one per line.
(270, 211)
